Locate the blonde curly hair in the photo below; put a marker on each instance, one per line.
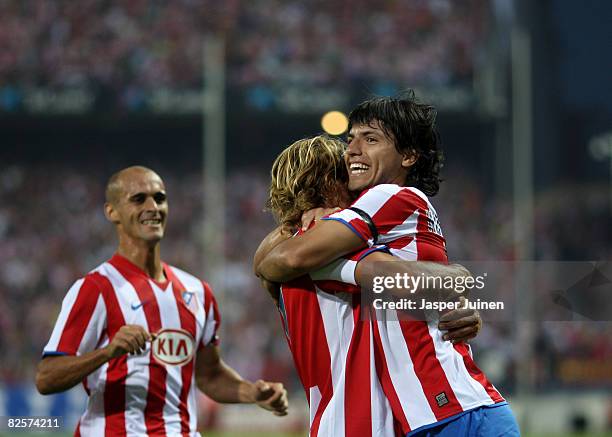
(310, 173)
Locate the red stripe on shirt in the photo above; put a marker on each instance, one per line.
(209, 299)
(310, 352)
(187, 323)
(361, 227)
(156, 393)
(395, 211)
(116, 373)
(79, 317)
(357, 393)
(428, 369)
(400, 243)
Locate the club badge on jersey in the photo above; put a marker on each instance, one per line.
(173, 347)
(191, 301)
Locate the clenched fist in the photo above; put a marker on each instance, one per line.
(129, 339)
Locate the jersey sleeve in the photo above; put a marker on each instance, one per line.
(379, 210)
(213, 318)
(339, 275)
(81, 321)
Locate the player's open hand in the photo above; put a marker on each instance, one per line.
(461, 324)
(272, 396)
(315, 214)
(130, 339)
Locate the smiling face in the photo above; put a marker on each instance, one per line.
(372, 158)
(137, 205)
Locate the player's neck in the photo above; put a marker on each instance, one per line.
(145, 257)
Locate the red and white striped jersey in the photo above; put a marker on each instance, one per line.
(333, 352)
(148, 394)
(425, 378)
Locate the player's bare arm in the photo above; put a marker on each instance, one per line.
(59, 373)
(223, 384)
(319, 246)
(383, 264)
(273, 239)
(460, 324)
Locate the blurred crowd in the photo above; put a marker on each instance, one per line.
(53, 231)
(130, 47)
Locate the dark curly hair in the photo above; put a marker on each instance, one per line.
(411, 125)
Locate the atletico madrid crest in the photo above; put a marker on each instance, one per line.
(191, 302)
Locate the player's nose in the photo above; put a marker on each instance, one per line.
(150, 204)
(353, 148)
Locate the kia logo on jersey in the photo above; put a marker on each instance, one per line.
(173, 347)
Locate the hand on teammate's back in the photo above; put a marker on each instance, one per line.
(129, 339)
(271, 396)
(315, 214)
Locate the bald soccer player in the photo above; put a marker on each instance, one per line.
(141, 334)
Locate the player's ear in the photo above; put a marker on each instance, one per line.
(110, 213)
(409, 158)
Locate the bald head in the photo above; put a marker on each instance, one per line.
(117, 181)
(136, 203)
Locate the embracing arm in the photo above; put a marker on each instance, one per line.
(460, 324)
(312, 250)
(271, 240)
(223, 384)
(385, 265)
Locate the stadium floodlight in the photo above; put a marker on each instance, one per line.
(334, 122)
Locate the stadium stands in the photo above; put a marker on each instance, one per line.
(142, 46)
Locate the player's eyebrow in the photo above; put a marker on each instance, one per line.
(137, 196)
(368, 131)
(141, 194)
(365, 130)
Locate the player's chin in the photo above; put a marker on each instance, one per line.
(357, 184)
(153, 236)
